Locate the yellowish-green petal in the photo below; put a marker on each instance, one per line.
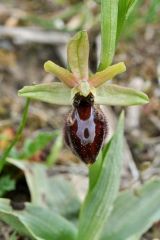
(100, 77)
(61, 73)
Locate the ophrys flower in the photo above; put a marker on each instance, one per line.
(85, 127)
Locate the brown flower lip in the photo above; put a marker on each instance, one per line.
(85, 128)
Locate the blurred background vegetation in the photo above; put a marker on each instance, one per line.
(32, 32)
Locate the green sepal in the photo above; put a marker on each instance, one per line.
(111, 94)
(55, 93)
(78, 54)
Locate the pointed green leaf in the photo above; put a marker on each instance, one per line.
(95, 169)
(36, 143)
(109, 14)
(125, 8)
(55, 150)
(134, 212)
(6, 215)
(36, 222)
(111, 94)
(130, 6)
(100, 77)
(63, 74)
(65, 201)
(78, 53)
(55, 93)
(101, 195)
(152, 15)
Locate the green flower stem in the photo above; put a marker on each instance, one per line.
(18, 135)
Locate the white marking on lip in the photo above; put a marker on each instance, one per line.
(82, 125)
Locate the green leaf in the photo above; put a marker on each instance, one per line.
(134, 238)
(109, 14)
(13, 236)
(55, 93)
(100, 77)
(111, 94)
(95, 169)
(7, 215)
(134, 212)
(6, 184)
(56, 194)
(130, 6)
(153, 11)
(63, 74)
(125, 8)
(36, 222)
(55, 150)
(78, 53)
(34, 144)
(101, 195)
